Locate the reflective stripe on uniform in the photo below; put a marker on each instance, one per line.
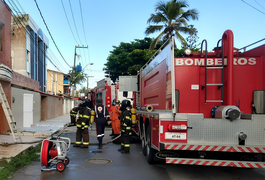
(100, 135)
(122, 144)
(86, 126)
(85, 116)
(85, 143)
(124, 124)
(126, 145)
(127, 117)
(78, 125)
(77, 142)
(128, 128)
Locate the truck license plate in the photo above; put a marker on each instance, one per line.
(169, 135)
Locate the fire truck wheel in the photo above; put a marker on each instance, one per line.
(60, 166)
(66, 160)
(150, 152)
(143, 143)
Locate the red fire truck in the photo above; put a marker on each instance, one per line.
(107, 91)
(206, 108)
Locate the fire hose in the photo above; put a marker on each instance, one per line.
(56, 135)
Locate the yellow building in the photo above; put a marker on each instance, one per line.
(55, 82)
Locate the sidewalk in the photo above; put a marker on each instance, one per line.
(29, 135)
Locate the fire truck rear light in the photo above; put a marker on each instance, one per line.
(108, 102)
(177, 127)
(108, 105)
(108, 97)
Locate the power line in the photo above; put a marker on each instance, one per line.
(253, 7)
(74, 21)
(259, 4)
(68, 22)
(82, 20)
(48, 50)
(50, 33)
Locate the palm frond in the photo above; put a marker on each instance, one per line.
(157, 18)
(153, 28)
(155, 41)
(180, 38)
(180, 21)
(190, 14)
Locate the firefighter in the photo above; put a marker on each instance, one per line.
(115, 112)
(102, 115)
(126, 126)
(73, 113)
(82, 124)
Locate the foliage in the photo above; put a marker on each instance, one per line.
(127, 58)
(18, 162)
(80, 77)
(171, 17)
(191, 43)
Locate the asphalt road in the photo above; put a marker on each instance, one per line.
(109, 164)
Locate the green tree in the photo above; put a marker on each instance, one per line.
(127, 58)
(80, 77)
(171, 18)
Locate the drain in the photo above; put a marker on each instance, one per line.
(99, 161)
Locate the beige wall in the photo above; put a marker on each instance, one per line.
(18, 50)
(56, 85)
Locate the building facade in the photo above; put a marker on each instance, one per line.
(5, 60)
(29, 49)
(55, 82)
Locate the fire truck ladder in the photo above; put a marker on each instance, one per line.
(213, 68)
(8, 114)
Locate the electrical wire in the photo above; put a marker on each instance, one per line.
(253, 7)
(50, 33)
(68, 22)
(33, 23)
(82, 21)
(259, 4)
(74, 21)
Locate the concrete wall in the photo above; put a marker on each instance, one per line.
(51, 107)
(17, 105)
(18, 46)
(23, 81)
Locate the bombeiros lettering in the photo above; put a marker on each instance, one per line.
(213, 61)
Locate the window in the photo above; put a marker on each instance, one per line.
(1, 35)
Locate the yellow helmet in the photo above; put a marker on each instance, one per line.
(117, 101)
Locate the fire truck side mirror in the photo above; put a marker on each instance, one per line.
(125, 94)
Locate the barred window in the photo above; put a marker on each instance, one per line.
(1, 35)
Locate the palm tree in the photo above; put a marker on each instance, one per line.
(170, 17)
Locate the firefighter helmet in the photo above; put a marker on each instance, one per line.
(117, 101)
(124, 104)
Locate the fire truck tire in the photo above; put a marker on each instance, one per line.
(150, 152)
(143, 142)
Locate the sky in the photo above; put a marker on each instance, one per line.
(100, 25)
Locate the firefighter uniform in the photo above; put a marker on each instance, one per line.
(115, 122)
(82, 125)
(102, 115)
(73, 113)
(126, 126)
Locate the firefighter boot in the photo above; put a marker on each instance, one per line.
(121, 149)
(100, 143)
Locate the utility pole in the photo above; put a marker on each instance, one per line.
(87, 81)
(73, 84)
